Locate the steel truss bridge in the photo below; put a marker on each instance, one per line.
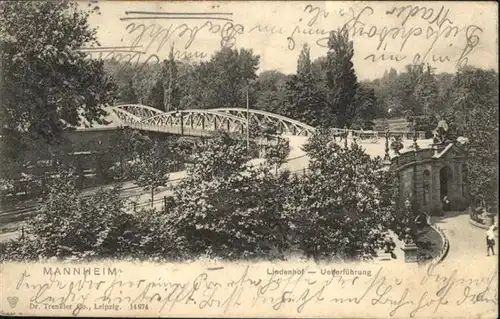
(203, 122)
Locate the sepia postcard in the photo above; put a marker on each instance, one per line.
(278, 159)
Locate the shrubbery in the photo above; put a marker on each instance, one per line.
(225, 208)
(69, 225)
(340, 201)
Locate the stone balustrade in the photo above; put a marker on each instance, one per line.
(446, 244)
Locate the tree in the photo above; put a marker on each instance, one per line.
(126, 147)
(396, 144)
(426, 91)
(341, 80)
(153, 168)
(339, 201)
(48, 84)
(154, 235)
(144, 79)
(127, 93)
(122, 74)
(156, 94)
(171, 83)
(414, 93)
(473, 114)
(226, 77)
(277, 154)
(365, 111)
(264, 129)
(225, 209)
(271, 92)
(387, 94)
(305, 101)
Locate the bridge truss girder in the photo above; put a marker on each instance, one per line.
(284, 125)
(206, 120)
(138, 110)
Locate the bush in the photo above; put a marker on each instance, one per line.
(224, 209)
(335, 207)
(67, 225)
(154, 235)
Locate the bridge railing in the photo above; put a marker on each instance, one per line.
(369, 135)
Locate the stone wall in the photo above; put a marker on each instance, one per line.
(420, 179)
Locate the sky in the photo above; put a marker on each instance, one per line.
(385, 35)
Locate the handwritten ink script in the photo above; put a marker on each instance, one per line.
(147, 40)
(399, 33)
(223, 291)
(432, 28)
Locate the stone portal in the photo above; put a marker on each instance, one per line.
(427, 176)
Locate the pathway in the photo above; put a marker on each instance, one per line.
(467, 242)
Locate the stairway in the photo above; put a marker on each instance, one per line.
(384, 257)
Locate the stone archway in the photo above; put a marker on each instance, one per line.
(465, 181)
(445, 176)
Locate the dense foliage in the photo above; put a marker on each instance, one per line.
(225, 208)
(68, 225)
(152, 169)
(340, 200)
(47, 82)
(473, 113)
(304, 101)
(321, 93)
(48, 85)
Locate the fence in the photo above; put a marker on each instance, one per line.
(378, 135)
(134, 206)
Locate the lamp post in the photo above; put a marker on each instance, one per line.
(387, 158)
(415, 144)
(248, 121)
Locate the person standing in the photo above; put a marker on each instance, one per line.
(490, 240)
(446, 204)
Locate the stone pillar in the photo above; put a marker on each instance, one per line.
(414, 186)
(435, 195)
(410, 251)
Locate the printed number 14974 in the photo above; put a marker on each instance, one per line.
(140, 306)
